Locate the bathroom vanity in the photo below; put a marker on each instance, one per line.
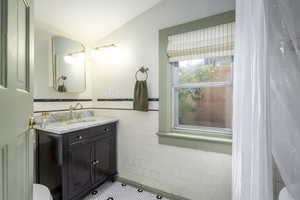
(75, 158)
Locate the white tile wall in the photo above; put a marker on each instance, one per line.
(123, 104)
(190, 173)
(48, 106)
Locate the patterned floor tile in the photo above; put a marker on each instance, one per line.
(119, 191)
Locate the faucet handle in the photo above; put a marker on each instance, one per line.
(79, 104)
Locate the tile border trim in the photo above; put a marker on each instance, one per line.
(101, 99)
(61, 100)
(100, 108)
(92, 108)
(126, 99)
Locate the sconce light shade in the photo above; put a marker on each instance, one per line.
(110, 46)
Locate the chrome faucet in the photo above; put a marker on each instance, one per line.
(72, 108)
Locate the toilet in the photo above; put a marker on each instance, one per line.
(285, 195)
(41, 192)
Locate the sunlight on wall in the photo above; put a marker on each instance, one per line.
(110, 56)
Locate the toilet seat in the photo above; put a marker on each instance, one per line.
(41, 192)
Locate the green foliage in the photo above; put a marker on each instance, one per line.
(188, 96)
(195, 74)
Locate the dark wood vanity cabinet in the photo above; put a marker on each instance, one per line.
(79, 168)
(103, 163)
(72, 164)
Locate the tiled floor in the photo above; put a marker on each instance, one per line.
(119, 191)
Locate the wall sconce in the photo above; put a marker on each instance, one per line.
(105, 47)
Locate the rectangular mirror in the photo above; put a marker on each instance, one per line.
(69, 73)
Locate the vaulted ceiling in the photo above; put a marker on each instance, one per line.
(89, 20)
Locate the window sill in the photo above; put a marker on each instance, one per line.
(202, 141)
(208, 132)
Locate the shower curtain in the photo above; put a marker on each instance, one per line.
(266, 119)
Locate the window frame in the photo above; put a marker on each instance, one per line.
(174, 86)
(167, 133)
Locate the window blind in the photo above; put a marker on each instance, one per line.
(214, 41)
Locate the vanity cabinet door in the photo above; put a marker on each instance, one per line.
(103, 158)
(80, 170)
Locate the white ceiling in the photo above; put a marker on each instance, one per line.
(89, 20)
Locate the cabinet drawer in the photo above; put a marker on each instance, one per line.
(79, 136)
(103, 129)
(89, 133)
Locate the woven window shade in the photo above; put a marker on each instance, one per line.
(214, 41)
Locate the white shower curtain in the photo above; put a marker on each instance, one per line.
(266, 97)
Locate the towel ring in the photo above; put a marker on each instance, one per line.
(142, 70)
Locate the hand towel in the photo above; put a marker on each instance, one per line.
(140, 101)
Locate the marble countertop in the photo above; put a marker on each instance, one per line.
(75, 125)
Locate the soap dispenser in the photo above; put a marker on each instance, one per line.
(44, 119)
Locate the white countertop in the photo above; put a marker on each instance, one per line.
(75, 125)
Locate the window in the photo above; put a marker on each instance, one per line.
(201, 63)
(202, 93)
(195, 82)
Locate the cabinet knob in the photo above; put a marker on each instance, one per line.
(79, 137)
(107, 129)
(95, 162)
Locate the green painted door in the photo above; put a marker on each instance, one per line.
(16, 67)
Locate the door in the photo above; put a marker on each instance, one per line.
(80, 168)
(103, 164)
(16, 65)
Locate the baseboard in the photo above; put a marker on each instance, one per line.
(151, 189)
